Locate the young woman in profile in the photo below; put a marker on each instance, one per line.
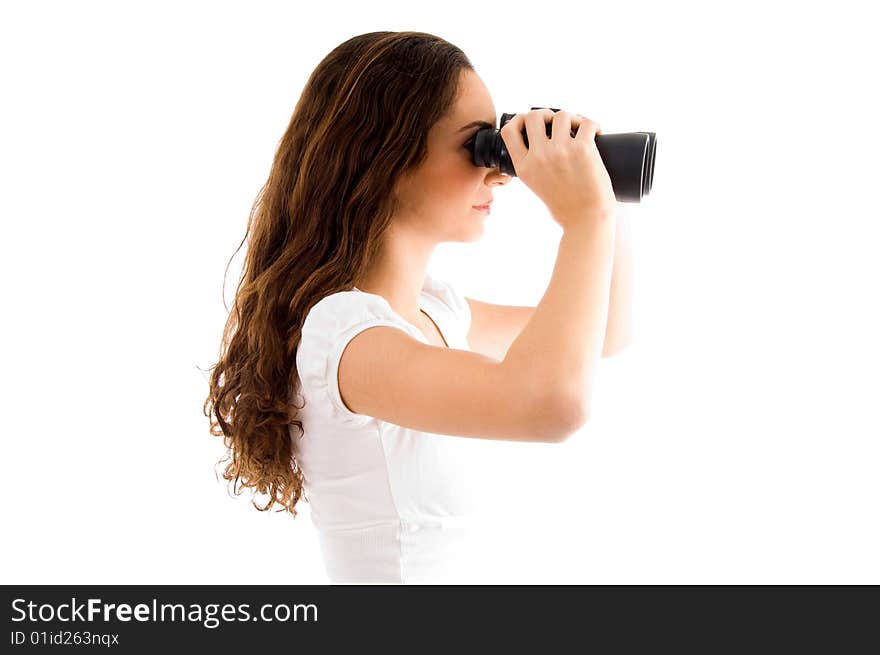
(347, 374)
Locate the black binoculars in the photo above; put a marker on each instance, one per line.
(628, 157)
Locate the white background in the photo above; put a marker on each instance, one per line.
(735, 442)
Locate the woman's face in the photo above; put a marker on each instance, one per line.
(438, 198)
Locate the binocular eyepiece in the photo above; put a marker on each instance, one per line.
(628, 157)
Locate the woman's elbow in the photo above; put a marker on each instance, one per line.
(569, 416)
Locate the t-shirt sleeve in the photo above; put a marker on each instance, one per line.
(328, 327)
(450, 296)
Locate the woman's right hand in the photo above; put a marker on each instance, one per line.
(566, 173)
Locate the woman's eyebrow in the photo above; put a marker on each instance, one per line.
(477, 124)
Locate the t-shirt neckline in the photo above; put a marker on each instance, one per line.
(440, 329)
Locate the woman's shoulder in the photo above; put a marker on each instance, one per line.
(328, 327)
(344, 307)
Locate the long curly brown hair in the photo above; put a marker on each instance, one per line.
(361, 123)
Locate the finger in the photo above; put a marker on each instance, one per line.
(511, 134)
(575, 123)
(561, 126)
(587, 129)
(581, 117)
(536, 127)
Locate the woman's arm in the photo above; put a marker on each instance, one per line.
(562, 341)
(619, 329)
(494, 327)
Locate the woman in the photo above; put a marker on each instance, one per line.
(346, 372)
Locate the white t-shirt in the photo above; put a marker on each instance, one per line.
(390, 504)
